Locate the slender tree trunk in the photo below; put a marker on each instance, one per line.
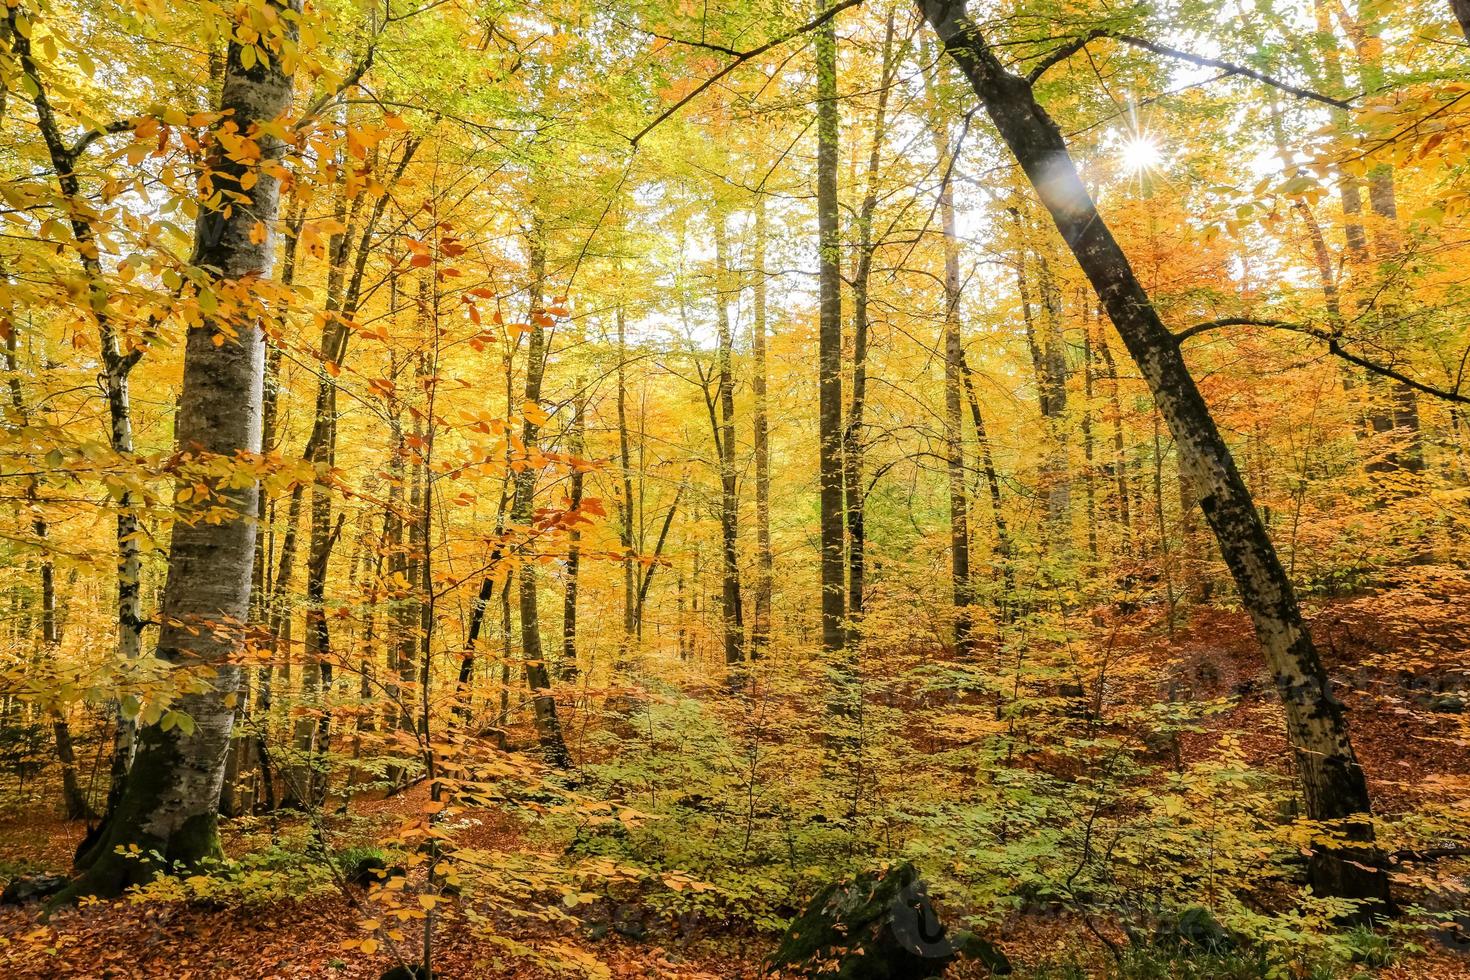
(538, 677)
(852, 433)
(73, 798)
(117, 366)
(170, 802)
(1393, 411)
(732, 606)
(829, 344)
(1119, 465)
(1003, 547)
(625, 505)
(1334, 786)
(954, 355)
(760, 630)
(1056, 480)
(658, 550)
(577, 445)
(1089, 445)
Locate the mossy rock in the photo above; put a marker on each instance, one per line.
(1195, 930)
(414, 972)
(879, 925)
(31, 888)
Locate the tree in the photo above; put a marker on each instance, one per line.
(829, 332)
(1333, 783)
(170, 803)
(538, 673)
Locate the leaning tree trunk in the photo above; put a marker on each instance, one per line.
(1333, 783)
(170, 802)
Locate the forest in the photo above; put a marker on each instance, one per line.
(729, 488)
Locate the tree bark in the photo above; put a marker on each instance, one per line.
(73, 798)
(117, 366)
(1333, 783)
(954, 355)
(852, 433)
(538, 676)
(626, 507)
(829, 344)
(577, 446)
(732, 607)
(760, 629)
(170, 802)
(1003, 548)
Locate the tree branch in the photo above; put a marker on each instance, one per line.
(92, 136)
(1334, 346)
(1428, 854)
(739, 60)
(1078, 43)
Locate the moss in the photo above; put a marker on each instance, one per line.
(879, 925)
(123, 855)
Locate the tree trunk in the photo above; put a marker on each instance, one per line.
(538, 677)
(1119, 465)
(829, 343)
(760, 630)
(625, 503)
(852, 432)
(954, 355)
(731, 609)
(1334, 786)
(577, 446)
(1003, 548)
(171, 798)
(117, 365)
(1056, 481)
(73, 799)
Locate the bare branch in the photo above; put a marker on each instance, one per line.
(1334, 345)
(111, 129)
(1228, 68)
(739, 60)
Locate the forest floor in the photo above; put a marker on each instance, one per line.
(1398, 659)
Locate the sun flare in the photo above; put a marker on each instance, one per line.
(1141, 153)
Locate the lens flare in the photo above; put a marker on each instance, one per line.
(1141, 153)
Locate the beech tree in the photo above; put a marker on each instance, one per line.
(1333, 782)
(170, 802)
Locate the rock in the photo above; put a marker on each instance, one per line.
(30, 888)
(880, 925)
(415, 972)
(1194, 930)
(365, 870)
(628, 921)
(1450, 704)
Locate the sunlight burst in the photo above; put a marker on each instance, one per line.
(1141, 153)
